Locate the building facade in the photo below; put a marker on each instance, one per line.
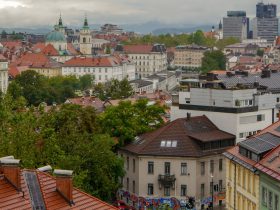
(183, 158)
(102, 69)
(189, 56)
(236, 25)
(148, 59)
(3, 74)
(85, 39)
(235, 103)
(252, 175)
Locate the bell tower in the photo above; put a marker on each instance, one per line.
(85, 39)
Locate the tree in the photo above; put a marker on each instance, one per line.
(222, 43)
(260, 52)
(86, 82)
(128, 120)
(213, 60)
(107, 50)
(4, 34)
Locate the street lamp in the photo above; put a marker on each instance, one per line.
(212, 177)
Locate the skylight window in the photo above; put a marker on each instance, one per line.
(168, 143)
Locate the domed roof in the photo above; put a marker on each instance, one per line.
(55, 36)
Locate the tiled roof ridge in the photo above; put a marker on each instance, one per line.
(269, 169)
(41, 186)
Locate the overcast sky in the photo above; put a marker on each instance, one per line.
(35, 13)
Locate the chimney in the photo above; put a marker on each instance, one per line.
(64, 184)
(47, 169)
(7, 157)
(11, 171)
(188, 116)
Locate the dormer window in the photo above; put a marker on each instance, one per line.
(168, 143)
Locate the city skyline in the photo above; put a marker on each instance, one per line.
(30, 13)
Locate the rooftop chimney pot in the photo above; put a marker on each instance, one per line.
(47, 168)
(64, 184)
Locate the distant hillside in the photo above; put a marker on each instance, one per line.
(181, 30)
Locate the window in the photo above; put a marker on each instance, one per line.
(99, 77)
(220, 164)
(202, 190)
(260, 117)
(133, 186)
(278, 100)
(127, 163)
(276, 202)
(168, 144)
(162, 143)
(183, 190)
(150, 189)
(166, 191)
(264, 196)
(150, 167)
(105, 70)
(270, 200)
(202, 168)
(220, 185)
(167, 168)
(183, 168)
(211, 166)
(127, 184)
(133, 166)
(99, 70)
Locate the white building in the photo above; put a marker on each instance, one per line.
(3, 74)
(176, 161)
(241, 110)
(149, 59)
(102, 68)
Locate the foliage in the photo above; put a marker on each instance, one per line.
(213, 60)
(128, 120)
(260, 52)
(222, 43)
(4, 35)
(36, 88)
(67, 138)
(114, 89)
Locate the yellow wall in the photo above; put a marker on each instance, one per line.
(247, 187)
(52, 72)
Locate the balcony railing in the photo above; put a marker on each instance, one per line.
(166, 180)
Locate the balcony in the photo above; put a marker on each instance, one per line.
(166, 180)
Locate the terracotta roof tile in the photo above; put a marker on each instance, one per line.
(50, 50)
(108, 61)
(10, 198)
(137, 49)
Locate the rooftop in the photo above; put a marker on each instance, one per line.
(180, 138)
(108, 61)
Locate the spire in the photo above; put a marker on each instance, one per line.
(86, 22)
(220, 25)
(60, 20)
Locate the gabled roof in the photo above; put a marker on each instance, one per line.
(180, 131)
(50, 50)
(108, 61)
(10, 198)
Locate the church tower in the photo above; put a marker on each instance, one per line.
(85, 39)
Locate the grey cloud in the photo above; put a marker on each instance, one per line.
(188, 12)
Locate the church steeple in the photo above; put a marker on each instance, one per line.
(220, 25)
(60, 21)
(86, 23)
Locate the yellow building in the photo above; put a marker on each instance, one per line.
(242, 183)
(242, 176)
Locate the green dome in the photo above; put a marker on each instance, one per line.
(55, 36)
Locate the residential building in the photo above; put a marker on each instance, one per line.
(3, 74)
(189, 56)
(38, 189)
(242, 49)
(149, 59)
(111, 29)
(236, 25)
(238, 103)
(102, 69)
(142, 86)
(252, 183)
(38, 62)
(266, 23)
(175, 161)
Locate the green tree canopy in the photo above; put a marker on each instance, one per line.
(213, 60)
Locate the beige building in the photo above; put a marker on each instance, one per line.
(177, 161)
(189, 56)
(148, 59)
(3, 74)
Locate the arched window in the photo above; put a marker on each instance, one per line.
(84, 40)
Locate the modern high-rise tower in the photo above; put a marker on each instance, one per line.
(265, 24)
(236, 25)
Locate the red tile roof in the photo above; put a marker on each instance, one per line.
(88, 101)
(180, 130)
(92, 62)
(13, 71)
(277, 41)
(12, 44)
(3, 58)
(39, 46)
(71, 49)
(137, 49)
(36, 60)
(10, 198)
(50, 50)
